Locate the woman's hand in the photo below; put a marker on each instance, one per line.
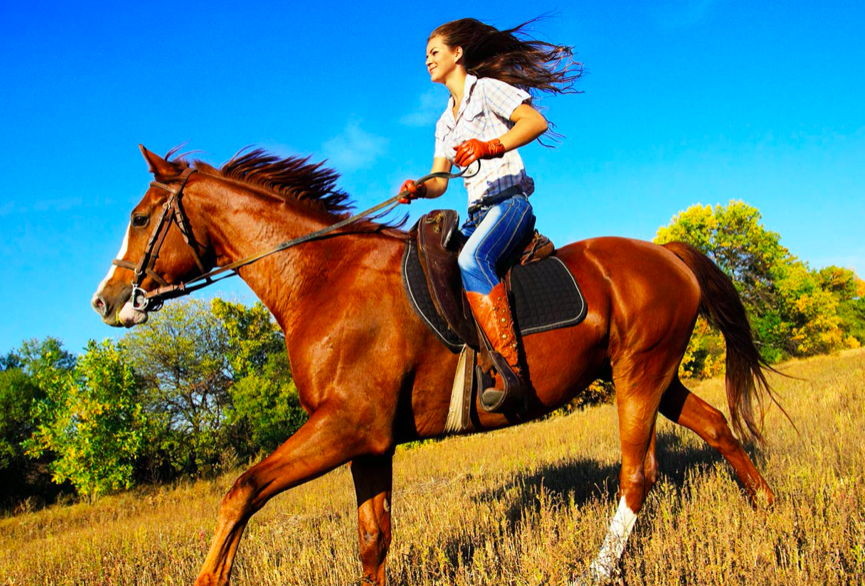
(474, 149)
(414, 190)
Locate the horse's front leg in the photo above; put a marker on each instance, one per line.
(373, 479)
(331, 437)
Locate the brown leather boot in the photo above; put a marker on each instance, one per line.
(494, 317)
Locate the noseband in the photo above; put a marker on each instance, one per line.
(172, 212)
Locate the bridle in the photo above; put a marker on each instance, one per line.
(172, 212)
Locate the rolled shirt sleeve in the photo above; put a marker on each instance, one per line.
(502, 98)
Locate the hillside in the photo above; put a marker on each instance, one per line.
(519, 506)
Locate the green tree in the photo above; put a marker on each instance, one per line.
(849, 291)
(45, 359)
(252, 335)
(18, 398)
(22, 476)
(265, 408)
(95, 425)
(852, 314)
(10, 361)
(29, 378)
(183, 358)
(218, 382)
(792, 309)
(736, 241)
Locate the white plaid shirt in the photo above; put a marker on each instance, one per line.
(485, 114)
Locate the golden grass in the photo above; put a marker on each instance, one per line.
(519, 506)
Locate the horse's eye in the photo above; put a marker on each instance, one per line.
(139, 221)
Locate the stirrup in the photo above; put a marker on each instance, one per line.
(495, 400)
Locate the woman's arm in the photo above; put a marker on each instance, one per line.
(430, 188)
(529, 124)
(436, 187)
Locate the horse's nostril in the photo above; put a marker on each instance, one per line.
(98, 304)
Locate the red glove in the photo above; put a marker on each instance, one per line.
(415, 191)
(474, 149)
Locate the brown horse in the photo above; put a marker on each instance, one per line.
(370, 373)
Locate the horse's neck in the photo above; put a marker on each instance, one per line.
(243, 225)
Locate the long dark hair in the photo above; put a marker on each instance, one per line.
(512, 56)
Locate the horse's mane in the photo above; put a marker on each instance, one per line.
(292, 179)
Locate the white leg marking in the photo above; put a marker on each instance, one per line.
(614, 543)
(120, 256)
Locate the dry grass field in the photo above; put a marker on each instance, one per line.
(527, 505)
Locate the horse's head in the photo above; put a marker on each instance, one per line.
(166, 243)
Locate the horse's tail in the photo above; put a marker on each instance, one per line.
(721, 305)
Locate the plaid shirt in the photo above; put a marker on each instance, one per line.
(485, 114)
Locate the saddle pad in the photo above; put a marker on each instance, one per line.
(546, 296)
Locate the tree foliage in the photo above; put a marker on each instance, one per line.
(92, 422)
(26, 377)
(794, 310)
(251, 334)
(217, 383)
(736, 241)
(265, 408)
(18, 397)
(182, 358)
(22, 477)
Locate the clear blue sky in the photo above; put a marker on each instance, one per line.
(686, 101)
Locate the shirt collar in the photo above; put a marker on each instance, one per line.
(469, 86)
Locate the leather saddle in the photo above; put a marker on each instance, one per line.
(439, 243)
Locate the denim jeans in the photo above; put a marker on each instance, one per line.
(493, 233)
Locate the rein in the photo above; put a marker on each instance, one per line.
(172, 211)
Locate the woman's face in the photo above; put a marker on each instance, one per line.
(441, 60)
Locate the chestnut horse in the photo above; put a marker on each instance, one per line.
(371, 375)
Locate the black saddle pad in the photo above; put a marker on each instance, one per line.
(546, 296)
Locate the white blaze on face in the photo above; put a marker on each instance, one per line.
(614, 544)
(113, 268)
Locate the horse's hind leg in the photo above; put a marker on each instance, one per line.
(650, 465)
(373, 478)
(687, 409)
(640, 381)
(329, 438)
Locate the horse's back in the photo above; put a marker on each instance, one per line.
(642, 288)
(629, 263)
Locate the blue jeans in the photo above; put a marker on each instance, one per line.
(493, 233)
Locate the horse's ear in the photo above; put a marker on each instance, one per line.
(158, 166)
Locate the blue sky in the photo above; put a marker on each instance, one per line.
(685, 101)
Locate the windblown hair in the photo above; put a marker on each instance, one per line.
(512, 56)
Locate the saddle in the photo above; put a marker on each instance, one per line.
(438, 244)
(542, 292)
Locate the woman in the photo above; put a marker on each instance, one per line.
(489, 74)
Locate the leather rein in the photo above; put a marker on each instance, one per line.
(172, 212)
